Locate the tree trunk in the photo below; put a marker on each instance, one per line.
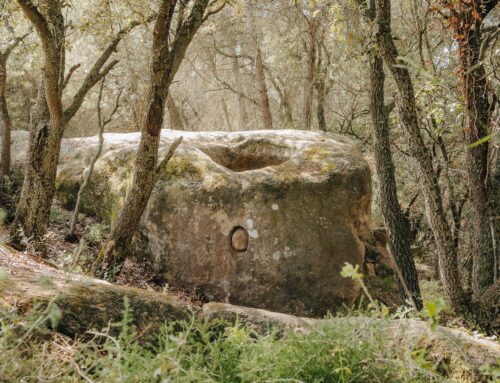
(447, 258)
(5, 158)
(166, 60)
(242, 109)
(6, 122)
(320, 111)
(399, 233)
(319, 82)
(284, 101)
(478, 111)
(310, 68)
(176, 121)
(265, 108)
(33, 210)
(46, 128)
(48, 118)
(227, 119)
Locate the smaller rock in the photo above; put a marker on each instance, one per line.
(239, 239)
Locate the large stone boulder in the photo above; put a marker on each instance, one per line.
(264, 218)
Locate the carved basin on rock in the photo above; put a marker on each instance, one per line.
(264, 218)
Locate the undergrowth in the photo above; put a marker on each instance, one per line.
(340, 351)
(356, 347)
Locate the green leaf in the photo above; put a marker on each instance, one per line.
(350, 271)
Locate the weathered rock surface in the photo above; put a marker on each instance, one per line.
(88, 303)
(85, 303)
(264, 218)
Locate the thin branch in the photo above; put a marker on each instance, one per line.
(86, 177)
(163, 164)
(115, 108)
(14, 44)
(98, 70)
(229, 55)
(215, 10)
(70, 73)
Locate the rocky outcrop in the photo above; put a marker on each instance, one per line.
(91, 304)
(30, 283)
(263, 218)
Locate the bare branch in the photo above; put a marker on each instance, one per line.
(115, 108)
(215, 10)
(14, 44)
(70, 73)
(93, 77)
(98, 70)
(163, 164)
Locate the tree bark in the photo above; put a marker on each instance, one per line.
(165, 63)
(5, 157)
(6, 122)
(310, 69)
(478, 110)
(399, 231)
(176, 121)
(447, 258)
(46, 127)
(320, 85)
(284, 100)
(227, 119)
(265, 108)
(242, 109)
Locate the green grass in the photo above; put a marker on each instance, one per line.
(342, 351)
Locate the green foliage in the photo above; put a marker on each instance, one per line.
(432, 311)
(481, 141)
(433, 291)
(350, 271)
(375, 309)
(492, 372)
